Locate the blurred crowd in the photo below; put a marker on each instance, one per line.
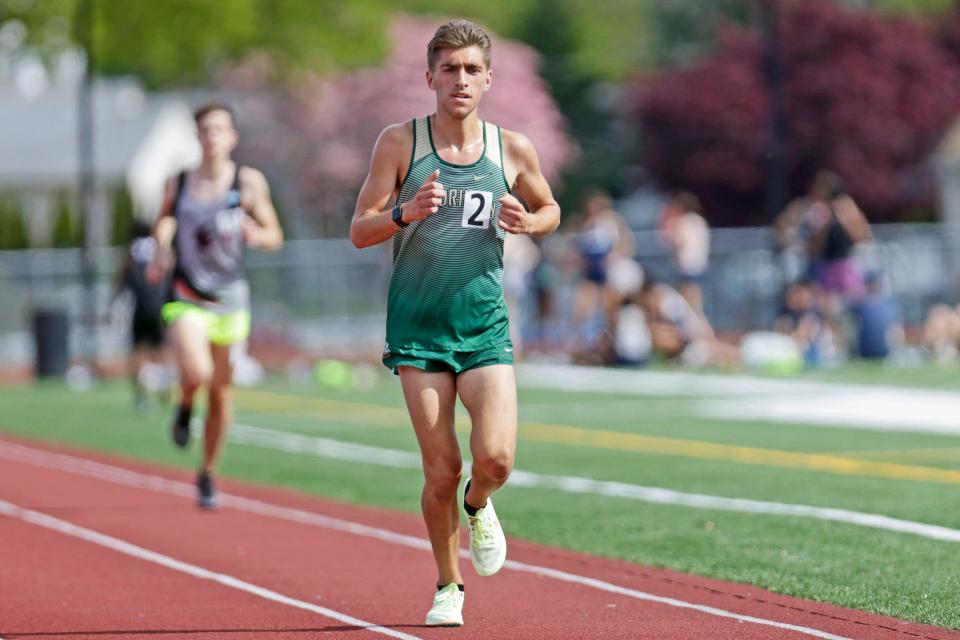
(584, 295)
(587, 297)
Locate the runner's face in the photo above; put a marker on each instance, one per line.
(217, 136)
(459, 77)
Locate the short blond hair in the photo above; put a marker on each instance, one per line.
(458, 34)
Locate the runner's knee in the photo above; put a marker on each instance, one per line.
(443, 476)
(493, 465)
(195, 376)
(219, 393)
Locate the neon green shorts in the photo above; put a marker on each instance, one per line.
(222, 328)
(452, 361)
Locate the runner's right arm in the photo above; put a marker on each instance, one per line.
(372, 222)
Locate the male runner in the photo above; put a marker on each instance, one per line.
(208, 215)
(456, 184)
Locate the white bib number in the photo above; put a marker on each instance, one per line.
(477, 206)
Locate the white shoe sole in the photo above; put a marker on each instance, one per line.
(444, 624)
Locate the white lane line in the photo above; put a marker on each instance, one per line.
(119, 475)
(326, 448)
(672, 602)
(126, 548)
(658, 495)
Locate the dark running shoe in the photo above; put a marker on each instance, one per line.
(181, 426)
(206, 492)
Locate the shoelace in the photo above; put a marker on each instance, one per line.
(482, 530)
(446, 596)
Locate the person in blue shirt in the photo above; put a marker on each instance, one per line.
(877, 320)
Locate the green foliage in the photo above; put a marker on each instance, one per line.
(67, 230)
(122, 218)
(554, 29)
(13, 231)
(182, 42)
(686, 29)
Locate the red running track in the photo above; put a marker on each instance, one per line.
(98, 547)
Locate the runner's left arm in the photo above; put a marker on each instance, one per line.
(261, 230)
(527, 183)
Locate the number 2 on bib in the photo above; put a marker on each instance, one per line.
(477, 206)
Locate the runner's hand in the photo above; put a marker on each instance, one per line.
(158, 267)
(427, 201)
(514, 218)
(253, 233)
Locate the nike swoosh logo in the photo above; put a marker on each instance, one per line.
(479, 177)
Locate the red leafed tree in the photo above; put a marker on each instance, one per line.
(330, 124)
(868, 95)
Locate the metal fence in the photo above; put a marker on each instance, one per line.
(327, 296)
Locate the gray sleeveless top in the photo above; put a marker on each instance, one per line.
(209, 249)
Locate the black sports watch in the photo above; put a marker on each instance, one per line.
(397, 216)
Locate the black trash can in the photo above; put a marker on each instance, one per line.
(51, 329)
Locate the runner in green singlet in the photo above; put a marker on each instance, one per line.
(446, 188)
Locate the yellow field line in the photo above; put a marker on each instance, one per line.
(363, 413)
(941, 453)
(559, 434)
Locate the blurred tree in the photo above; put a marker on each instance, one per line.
(867, 94)
(121, 227)
(67, 230)
(182, 42)
(553, 28)
(686, 29)
(13, 230)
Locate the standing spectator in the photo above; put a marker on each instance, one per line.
(831, 245)
(684, 231)
(820, 230)
(799, 222)
(147, 356)
(602, 241)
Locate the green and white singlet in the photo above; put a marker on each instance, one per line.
(446, 291)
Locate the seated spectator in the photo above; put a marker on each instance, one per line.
(802, 319)
(877, 319)
(941, 332)
(678, 332)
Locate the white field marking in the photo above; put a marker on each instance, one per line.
(739, 397)
(132, 550)
(299, 444)
(72, 464)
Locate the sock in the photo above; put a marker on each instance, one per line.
(471, 510)
(459, 586)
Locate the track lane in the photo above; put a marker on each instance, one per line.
(389, 583)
